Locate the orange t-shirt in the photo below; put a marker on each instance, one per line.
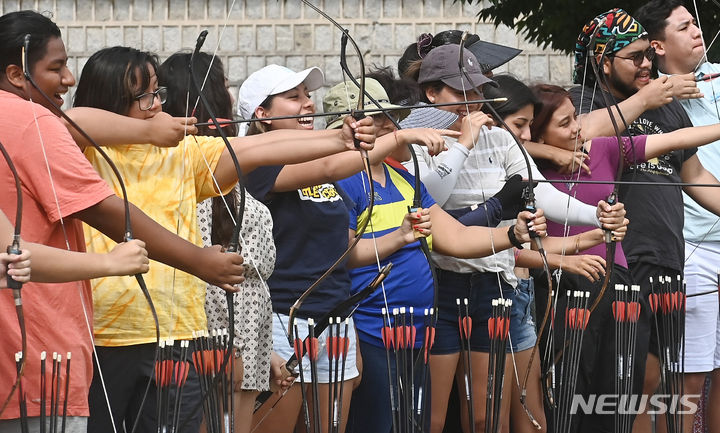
(54, 316)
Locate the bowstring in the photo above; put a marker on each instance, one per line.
(366, 164)
(717, 110)
(234, 222)
(566, 223)
(577, 144)
(68, 248)
(221, 32)
(549, 352)
(484, 204)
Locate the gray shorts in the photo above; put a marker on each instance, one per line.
(282, 348)
(73, 424)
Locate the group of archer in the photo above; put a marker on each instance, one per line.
(297, 195)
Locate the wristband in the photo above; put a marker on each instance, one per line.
(513, 240)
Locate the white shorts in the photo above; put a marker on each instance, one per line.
(282, 348)
(702, 321)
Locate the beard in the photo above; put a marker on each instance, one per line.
(620, 87)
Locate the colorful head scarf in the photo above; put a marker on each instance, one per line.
(615, 22)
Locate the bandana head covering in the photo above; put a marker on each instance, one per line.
(616, 24)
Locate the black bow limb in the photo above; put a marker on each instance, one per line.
(233, 246)
(16, 286)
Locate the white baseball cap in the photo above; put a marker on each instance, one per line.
(272, 80)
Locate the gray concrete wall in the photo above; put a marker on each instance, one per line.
(254, 33)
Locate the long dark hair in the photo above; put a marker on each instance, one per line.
(174, 74)
(551, 97)
(109, 79)
(13, 28)
(517, 93)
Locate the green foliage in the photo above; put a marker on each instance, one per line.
(556, 23)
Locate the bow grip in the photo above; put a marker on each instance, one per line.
(611, 200)
(286, 371)
(416, 233)
(530, 206)
(357, 115)
(13, 249)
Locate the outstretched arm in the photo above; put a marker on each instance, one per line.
(452, 238)
(54, 265)
(685, 138)
(346, 164)
(364, 253)
(596, 123)
(209, 264)
(289, 146)
(708, 197)
(589, 266)
(582, 241)
(111, 129)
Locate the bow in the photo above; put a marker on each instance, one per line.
(529, 206)
(610, 246)
(14, 248)
(417, 201)
(361, 230)
(358, 113)
(338, 310)
(128, 227)
(233, 245)
(341, 308)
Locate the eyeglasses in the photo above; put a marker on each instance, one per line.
(638, 57)
(146, 100)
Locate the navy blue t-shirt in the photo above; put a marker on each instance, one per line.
(310, 228)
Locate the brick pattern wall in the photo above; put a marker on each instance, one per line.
(258, 32)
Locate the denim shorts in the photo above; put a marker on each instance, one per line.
(523, 335)
(480, 288)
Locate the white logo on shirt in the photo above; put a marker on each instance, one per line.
(320, 193)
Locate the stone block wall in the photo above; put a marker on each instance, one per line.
(253, 33)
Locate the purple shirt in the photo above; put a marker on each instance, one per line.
(604, 156)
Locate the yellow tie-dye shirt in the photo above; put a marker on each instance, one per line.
(166, 184)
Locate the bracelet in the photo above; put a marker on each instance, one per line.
(513, 240)
(397, 143)
(577, 244)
